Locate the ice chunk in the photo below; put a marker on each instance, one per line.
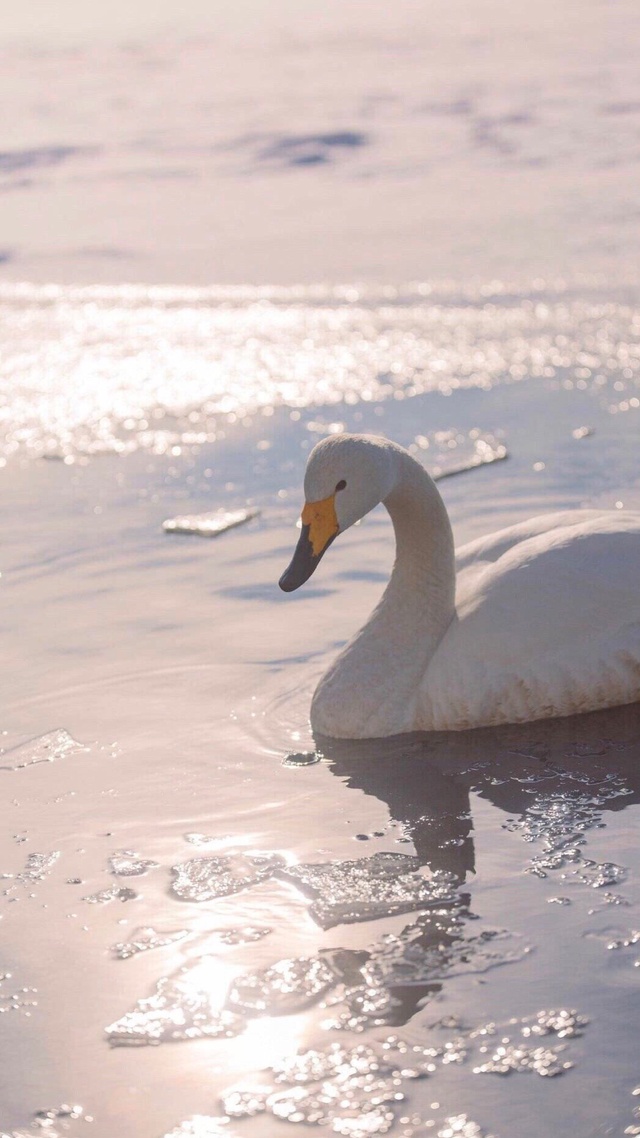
(126, 863)
(115, 893)
(369, 888)
(286, 987)
(187, 1005)
(209, 525)
(205, 878)
(144, 939)
(44, 749)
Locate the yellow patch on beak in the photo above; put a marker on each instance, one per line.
(322, 521)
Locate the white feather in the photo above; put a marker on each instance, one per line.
(541, 619)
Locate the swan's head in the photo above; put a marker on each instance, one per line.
(346, 476)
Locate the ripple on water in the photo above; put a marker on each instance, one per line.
(302, 759)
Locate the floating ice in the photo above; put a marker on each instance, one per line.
(560, 822)
(596, 874)
(206, 878)
(186, 1005)
(45, 749)
(37, 867)
(363, 987)
(484, 452)
(286, 987)
(126, 863)
(115, 893)
(209, 525)
(205, 1000)
(145, 939)
(369, 888)
(342, 891)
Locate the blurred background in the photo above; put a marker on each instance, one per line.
(286, 141)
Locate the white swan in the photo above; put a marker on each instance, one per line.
(543, 619)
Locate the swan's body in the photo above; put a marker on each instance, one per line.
(541, 619)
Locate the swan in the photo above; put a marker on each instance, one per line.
(538, 620)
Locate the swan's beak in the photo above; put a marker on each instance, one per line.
(319, 527)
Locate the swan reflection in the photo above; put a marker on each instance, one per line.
(553, 779)
(427, 780)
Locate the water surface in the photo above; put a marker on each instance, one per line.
(211, 922)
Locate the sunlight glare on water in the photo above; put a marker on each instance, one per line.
(95, 369)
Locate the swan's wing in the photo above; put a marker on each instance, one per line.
(492, 547)
(552, 627)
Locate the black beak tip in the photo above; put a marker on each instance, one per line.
(303, 564)
(288, 582)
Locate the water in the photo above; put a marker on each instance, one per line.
(214, 923)
(89, 370)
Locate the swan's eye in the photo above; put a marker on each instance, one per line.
(341, 485)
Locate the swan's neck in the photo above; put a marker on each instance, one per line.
(372, 687)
